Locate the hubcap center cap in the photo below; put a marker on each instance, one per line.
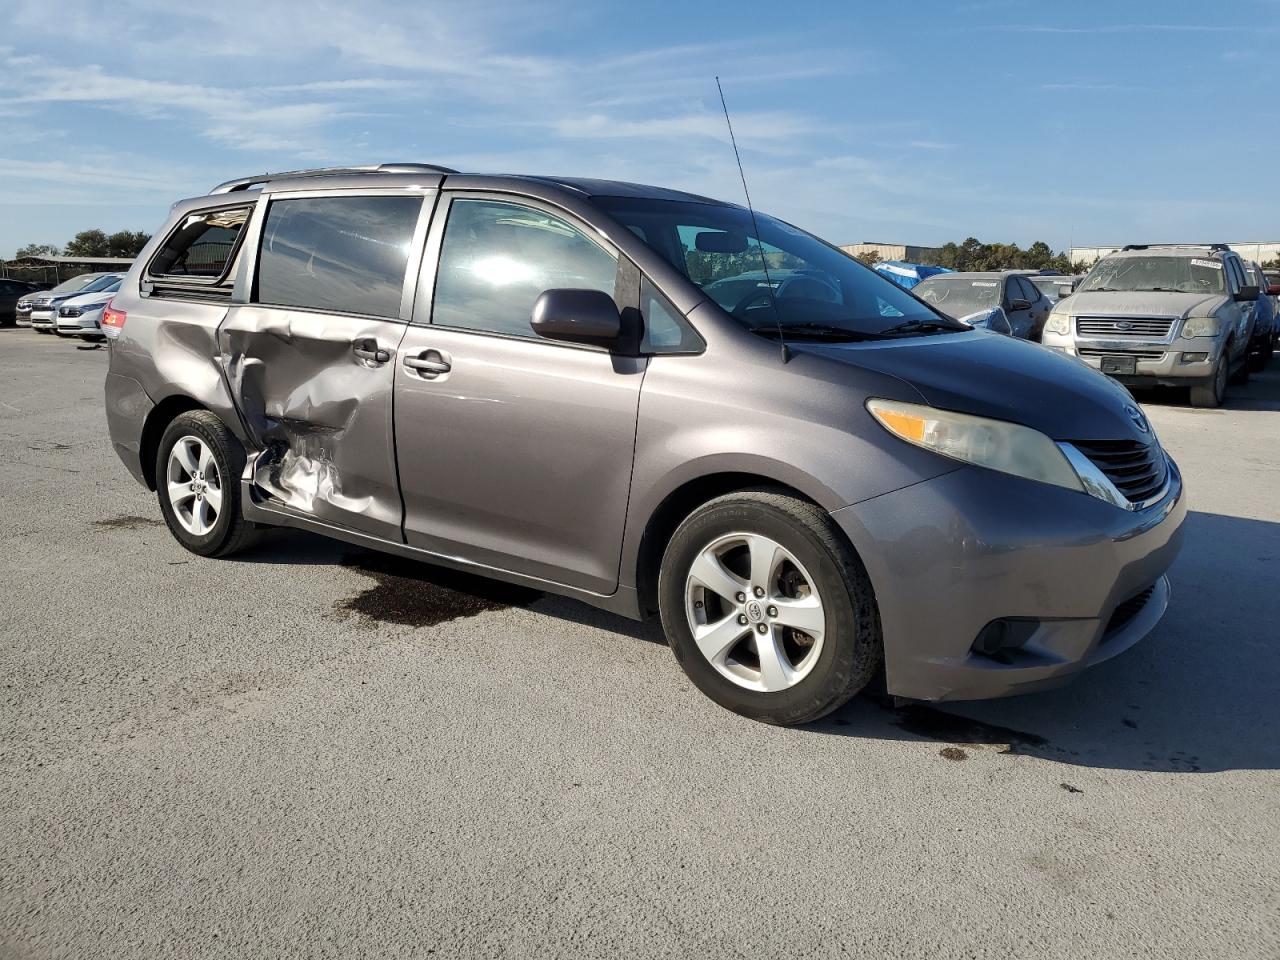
(755, 611)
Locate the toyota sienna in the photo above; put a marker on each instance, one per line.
(651, 402)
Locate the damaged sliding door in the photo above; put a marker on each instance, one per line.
(311, 361)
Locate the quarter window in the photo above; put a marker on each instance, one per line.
(498, 258)
(202, 246)
(337, 254)
(665, 330)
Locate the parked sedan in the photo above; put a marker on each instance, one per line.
(44, 309)
(960, 294)
(81, 316)
(11, 293)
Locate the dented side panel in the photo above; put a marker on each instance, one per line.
(318, 412)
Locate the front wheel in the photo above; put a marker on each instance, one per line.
(767, 609)
(1212, 393)
(198, 468)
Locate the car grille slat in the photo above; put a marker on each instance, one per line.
(1135, 354)
(1145, 328)
(1138, 470)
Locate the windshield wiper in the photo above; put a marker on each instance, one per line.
(922, 326)
(812, 331)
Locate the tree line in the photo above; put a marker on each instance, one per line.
(974, 255)
(91, 243)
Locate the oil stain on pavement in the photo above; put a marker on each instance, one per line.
(414, 594)
(127, 523)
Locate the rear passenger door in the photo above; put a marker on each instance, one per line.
(310, 359)
(515, 452)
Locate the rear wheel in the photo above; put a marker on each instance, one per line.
(198, 467)
(767, 609)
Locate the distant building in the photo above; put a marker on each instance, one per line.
(890, 251)
(54, 270)
(1262, 252)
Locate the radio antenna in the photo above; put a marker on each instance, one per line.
(755, 227)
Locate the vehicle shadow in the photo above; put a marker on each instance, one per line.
(1262, 392)
(1198, 695)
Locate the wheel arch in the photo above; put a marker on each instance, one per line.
(676, 506)
(159, 417)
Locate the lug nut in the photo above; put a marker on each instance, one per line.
(741, 597)
(758, 591)
(742, 619)
(773, 611)
(761, 628)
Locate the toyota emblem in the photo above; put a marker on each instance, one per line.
(1138, 419)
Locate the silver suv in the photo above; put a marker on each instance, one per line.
(654, 403)
(1174, 315)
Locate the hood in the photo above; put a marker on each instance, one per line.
(1144, 304)
(989, 375)
(88, 299)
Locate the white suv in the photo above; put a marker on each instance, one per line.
(1174, 315)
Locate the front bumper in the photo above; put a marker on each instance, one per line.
(84, 325)
(951, 555)
(44, 317)
(22, 317)
(1155, 362)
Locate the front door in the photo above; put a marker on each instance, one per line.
(514, 452)
(310, 363)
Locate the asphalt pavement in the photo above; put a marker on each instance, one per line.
(314, 751)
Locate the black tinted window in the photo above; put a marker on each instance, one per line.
(499, 257)
(202, 246)
(339, 254)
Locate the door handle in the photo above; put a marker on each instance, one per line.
(368, 349)
(429, 364)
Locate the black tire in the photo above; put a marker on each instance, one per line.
(1211, 394)
(851, 651)
(230, 532)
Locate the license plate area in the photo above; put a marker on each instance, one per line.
(1119, 366)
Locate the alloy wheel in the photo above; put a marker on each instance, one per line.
(194, 485)
(755, 612)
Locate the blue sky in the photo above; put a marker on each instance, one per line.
(1085, 122)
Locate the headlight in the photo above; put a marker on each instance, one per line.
(1058, 323)
(995, 444)
(1201, 327)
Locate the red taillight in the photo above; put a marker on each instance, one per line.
(111, 317)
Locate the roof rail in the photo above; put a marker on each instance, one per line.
(244, 183)
(1148, 246)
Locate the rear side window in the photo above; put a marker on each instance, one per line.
(499, 257)
(202, 246)
(337, 254)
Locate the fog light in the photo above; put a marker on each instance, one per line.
(1194, 357)
(1003, 636)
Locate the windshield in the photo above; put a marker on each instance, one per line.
(1156, 274)
(101, 284)
(960, 296)
(75, 283)
(1051, 286)
(817, 289)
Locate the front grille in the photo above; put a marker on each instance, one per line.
(43, 301)
(1135, 354)
(1141, 328)
(1138, 470)
(1129, 609)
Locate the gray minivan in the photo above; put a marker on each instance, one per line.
(525, 377)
